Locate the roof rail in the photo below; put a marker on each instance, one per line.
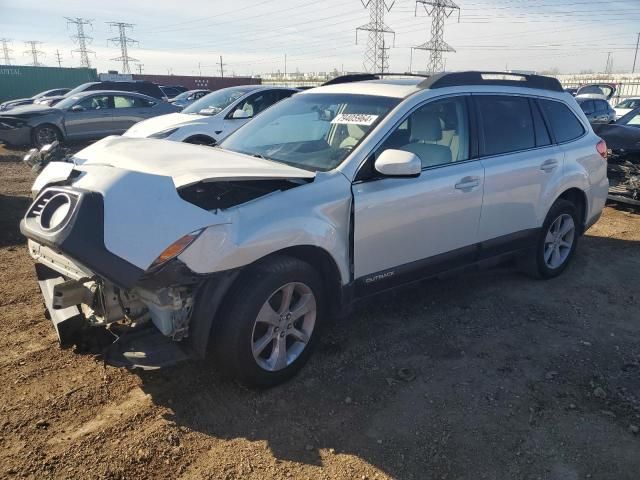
(361, 77)
(456, 79)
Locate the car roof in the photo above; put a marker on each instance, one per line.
(112, 92)
(386, 87)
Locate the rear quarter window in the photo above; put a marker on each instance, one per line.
(563, 122)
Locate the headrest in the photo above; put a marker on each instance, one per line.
(425, 125)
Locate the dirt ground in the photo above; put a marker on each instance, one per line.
(508, 378)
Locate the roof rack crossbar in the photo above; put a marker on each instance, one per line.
(361, 77)
(456, 79)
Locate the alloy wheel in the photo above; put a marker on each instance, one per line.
(284, 326)
(46, 135)
(559, 241)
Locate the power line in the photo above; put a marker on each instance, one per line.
(377, 29)
(124, 42)
(440, 10)
(6, 50)
(34, 52)
(81, 39)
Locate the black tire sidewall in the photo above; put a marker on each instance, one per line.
(233, 333)
(34, 135)
(560, 207)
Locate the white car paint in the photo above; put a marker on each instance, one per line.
(369, 229)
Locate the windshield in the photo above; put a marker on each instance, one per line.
(630, 103)
(314, 131)
(217, 101)
(78, 89)
(184, 95)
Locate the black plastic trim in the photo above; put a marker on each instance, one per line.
(458, 79)
(445, 262)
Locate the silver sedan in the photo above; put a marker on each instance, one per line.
(81, 117)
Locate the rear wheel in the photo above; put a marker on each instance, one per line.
(269, 325)
(45, 135)
(557, 242)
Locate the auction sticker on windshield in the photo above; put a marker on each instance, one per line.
(355, 119)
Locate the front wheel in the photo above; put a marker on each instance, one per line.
(269, 325)
(557, 242)
(45, 135)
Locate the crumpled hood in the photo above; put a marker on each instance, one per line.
(164, 122)
(186, 164)
(15, 102)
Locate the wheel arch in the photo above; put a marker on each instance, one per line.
(60, 130)
(578, 197)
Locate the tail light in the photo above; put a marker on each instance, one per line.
(601, 147)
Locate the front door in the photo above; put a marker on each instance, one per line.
(89, 118)
(406, 227)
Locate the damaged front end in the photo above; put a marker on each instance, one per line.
(624, 177)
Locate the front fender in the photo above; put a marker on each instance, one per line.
(316, 214)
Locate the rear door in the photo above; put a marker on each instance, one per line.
(129, 109)
(91, 117)
(521, 164)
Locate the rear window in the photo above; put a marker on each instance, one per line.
(507, 124)
(562, 120)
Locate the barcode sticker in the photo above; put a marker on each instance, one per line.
(355, 119)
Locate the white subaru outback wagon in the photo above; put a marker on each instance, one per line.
(242, 251)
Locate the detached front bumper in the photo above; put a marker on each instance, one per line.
(15, 136)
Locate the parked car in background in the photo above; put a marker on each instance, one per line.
(215, 116)
(597, 110)
(626, 106)
(187, 98)
(328, 197)
(138, 86)
(171, 91)
(623, 140)
(82, 116)
(571, 90)
(28, 101)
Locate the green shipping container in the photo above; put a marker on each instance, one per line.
(17, 81)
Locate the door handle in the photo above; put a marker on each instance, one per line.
(467, 183)
(549, 165)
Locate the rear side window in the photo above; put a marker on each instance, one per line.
(542, 135)
(507, 124)
(563, 122)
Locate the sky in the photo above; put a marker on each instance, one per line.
(188, 37)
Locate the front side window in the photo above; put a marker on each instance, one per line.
(314, 131)
(255, 103)
(438, 133)
(564, 124)
(630, 103)
(507, 124)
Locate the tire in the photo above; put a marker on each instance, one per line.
(554, 250)
(45, 134)
(245, 346)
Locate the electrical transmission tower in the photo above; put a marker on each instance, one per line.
(374, 55)
(81, 39)
(439, 11)
(34, 52)
(124, 42)
(6, 50)
(384, 57)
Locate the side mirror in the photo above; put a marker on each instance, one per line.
(240, 114)
(77, 108)
(398, 163)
